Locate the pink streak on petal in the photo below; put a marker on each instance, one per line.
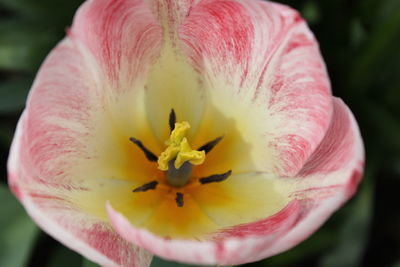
(59, 99)
(239, 244)
(123, 37)
(341, 144)
(301, 91)
(266, 226)
(338, 159)
(220, 30)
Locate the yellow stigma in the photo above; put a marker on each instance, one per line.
(179, 149)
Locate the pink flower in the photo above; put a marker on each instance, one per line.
(199, 131)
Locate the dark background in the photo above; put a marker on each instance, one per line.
(360, 41)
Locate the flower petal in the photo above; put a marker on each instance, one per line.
(261, 63)
(77, 113)
(53, 212)
(341, 146)
(328, 179)
(122, 37)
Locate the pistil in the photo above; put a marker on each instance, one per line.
(178, 177)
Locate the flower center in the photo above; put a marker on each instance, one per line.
(178, 158)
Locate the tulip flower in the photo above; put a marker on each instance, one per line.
(199, 131)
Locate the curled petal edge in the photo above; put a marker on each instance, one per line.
(226, 251)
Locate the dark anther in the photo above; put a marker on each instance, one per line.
(210, 145)
(179, 199)
(149, 186)
(215, 178)
(149, 155)
(172, 119)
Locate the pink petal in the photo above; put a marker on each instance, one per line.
(315, 197)
(340, 146)
(93, 238)
(122, 36)
(74, 84)
(263, 55)
(328, 179)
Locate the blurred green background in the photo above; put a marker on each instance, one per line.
(360, 41)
